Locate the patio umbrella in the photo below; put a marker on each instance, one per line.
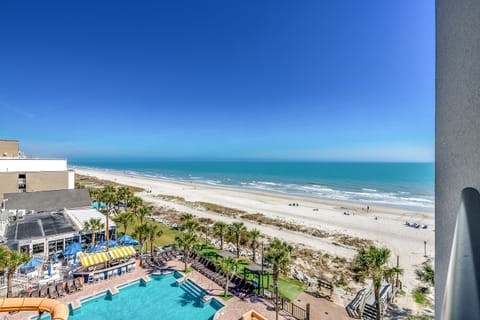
(124, 238)
(72, 249)
(94, 249)
(32, 263)
(127, 240)
(111, 243)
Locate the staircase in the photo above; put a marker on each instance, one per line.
(192, 289)
(363, 305)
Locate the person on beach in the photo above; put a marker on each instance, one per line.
(368, 208)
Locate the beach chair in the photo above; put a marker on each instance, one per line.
(34, 294)
(61, 292)
(43, 292)
(52, 292)
(71, 286)
(78, 284)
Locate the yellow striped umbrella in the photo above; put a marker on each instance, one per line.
(115, 253)
(130, 251)
(88, 260)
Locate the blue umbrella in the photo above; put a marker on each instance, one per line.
(32, 263)
(94, 249)
(72, 249)
(124, 238)
(127, 240)
(111, 243)
(49, 268)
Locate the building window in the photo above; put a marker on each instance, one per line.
(38, 248)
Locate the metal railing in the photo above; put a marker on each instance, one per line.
(462, 289)
(296, 311)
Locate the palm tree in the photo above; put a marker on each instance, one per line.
(279, 256)
(134, 203)
(143, 212)
(124, 194)
(254, 235)
(237, 228)
(154, 231)
(109, 197)
(228, 266)
(93, 225)
(219, 229)
(11, 260)
(186, 241)
(372, 263)
(141, 232)
(190, 226)
(124, 219)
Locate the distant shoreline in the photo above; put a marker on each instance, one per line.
(305, 196)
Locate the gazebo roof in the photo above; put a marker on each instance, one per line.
(256, 268)
(226, 254)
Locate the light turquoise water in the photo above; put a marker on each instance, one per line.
(162, 298)
(406, 185)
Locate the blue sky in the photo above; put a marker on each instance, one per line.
(291, 80)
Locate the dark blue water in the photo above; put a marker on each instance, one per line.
(407, 185)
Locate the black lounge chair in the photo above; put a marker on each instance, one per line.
(60, 290)
(34, 294)
(78, 284)
(52, 292)
(71, 287)
(43, 292)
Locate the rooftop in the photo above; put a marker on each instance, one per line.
(37, 225)
(47, 200)
(79, 216)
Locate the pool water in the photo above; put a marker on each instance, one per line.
(161, 298)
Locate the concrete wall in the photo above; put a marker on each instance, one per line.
(43, 181)
(457, 122)
(24, 165)
(8, 148)
(71, 179)
(8, 183)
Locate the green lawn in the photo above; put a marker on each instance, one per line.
(168, 236)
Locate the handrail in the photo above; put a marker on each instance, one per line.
(462, 289)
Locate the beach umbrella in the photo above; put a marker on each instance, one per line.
(72, 249)
(127, 240)
(94, 249)
(49, 269)
(111, 243)
(124, 238)
(32, 263)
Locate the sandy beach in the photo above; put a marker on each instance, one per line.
(383, 225)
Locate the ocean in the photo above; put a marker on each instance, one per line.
(403, 185)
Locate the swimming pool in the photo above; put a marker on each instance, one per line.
(161, 298)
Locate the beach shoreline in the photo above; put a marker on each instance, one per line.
(385, 226)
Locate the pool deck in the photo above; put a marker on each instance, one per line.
(234, 307)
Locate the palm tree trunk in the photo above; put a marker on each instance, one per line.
(376, 289)
(221, 241)
(254, 247)
(107, 234)
(124, 228)
(226, 284)
(238, 246)
(9, 283)
(93, 238)
(186, 258)
(151, 248)
(275, 285)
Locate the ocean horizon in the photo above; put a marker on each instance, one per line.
(400, 185)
